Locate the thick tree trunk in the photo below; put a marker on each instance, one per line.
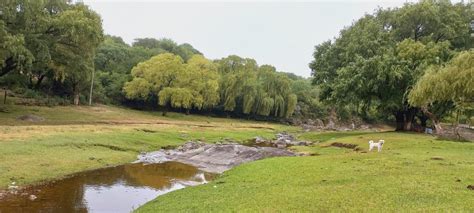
(408, 119)
(434, 119)
(400, 118)
(10, 65)
(423, 118)
(39, 81)
(332, 119)
(76, 99)
(187, 111)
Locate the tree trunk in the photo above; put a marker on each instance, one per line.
(165, 110)
(456, 126)
(9, 65)
(76, 99)
(408, 121)
(332, 119)
(400, 120)
(39, 81)
(5, 96)
(75, 92)
(423, 119)
(92, 87)
(187, 111)
(434, 119)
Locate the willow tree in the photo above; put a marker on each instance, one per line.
(203, 81)
(255, 90)
(176, 84)
(153, 76)
(197, 87)
(453, 82)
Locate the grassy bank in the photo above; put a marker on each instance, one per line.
(73, 139)
(414, 172)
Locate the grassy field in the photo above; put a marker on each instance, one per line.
(73, 139)
(414, 172)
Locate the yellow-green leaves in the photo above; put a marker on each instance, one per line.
(453, 82)
(180, 85)
(138, 88)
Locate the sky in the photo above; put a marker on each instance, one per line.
(282, 33)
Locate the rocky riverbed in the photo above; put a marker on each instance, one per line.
(214, 158)
(219, 157)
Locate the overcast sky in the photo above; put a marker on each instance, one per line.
(282, 34)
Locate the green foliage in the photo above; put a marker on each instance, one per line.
(49, 39)
(185, 51)
(187, 86)
(57, 45)
(255, 90)
(375, 62)
(232, 84)
(453, 82)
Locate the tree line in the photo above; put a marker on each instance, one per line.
(412, 64)
(57, 49)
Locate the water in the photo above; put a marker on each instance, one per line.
(116, 189)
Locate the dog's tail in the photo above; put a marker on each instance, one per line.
(371, 141)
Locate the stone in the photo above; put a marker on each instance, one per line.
(32, 197)
(214, 158)
(259, 139)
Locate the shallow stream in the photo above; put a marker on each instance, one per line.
(116, 189)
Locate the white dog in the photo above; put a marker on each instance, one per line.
(379, 145)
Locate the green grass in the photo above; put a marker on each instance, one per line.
(403, 177)
(74, 139)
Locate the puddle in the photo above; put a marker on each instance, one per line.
(116, 189)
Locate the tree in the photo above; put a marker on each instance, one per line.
(185, 51)
(178, 85)
(49, 39)
(203, 80)
(114, 61)
(254, 90)
(13, 54)
(75, 50)
(375, 62)
(453, 82)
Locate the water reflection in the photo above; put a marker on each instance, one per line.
(117, 189)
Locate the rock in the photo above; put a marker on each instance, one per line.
(11, 187)
(214, 158)
(331, 125)
(284, 139)
(259, 139)
(190, 145)
(32, 197)
(319, 123)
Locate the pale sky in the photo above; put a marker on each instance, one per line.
(281, 33)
